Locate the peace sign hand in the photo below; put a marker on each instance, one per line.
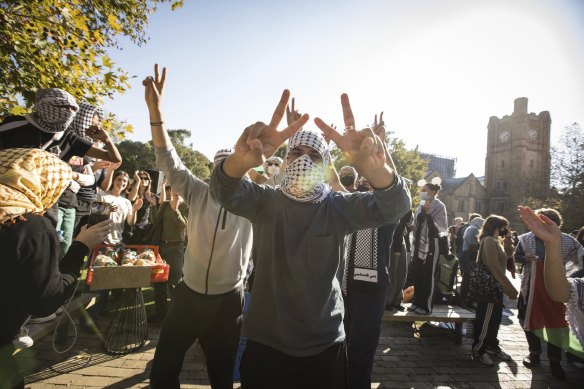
(379, 128)
(292, 114)
(154, 88)
(260, 141)
(363, 148)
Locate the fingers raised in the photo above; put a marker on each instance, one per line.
(294, 127)
(280, 109)
(347, 112)
(328, 131)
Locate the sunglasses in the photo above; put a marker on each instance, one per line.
(145, 178)
(273, 163)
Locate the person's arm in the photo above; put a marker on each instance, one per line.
(256, 177)
(110, 152)
(131, 217)
(175, 207)
(86, 177)
(106, 182)
(167, 160)
(379, 130)
(490, 256)
(133, 194)
(332, 178)
(556, 283)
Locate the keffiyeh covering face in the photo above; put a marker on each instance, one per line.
(52, 110)
(304, 179)
(31, 180)
(84, 119)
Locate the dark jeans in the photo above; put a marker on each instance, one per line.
(264, 367)
(173, 254)
(363, 314)
(486, 327)
(215, 320)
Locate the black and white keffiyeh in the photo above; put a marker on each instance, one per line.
(52, 110)
(304, 180)
(361, 257)
(575, 308)
(221, 155)
(84, 119)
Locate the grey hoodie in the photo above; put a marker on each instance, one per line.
(219, 242)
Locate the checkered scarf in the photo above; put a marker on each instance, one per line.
(84, 119)
(51, 111)
(347, 171)
(221, 155)
(575, 308)
(31, 180)
(304, 180)
(572, 255)
(361, 257)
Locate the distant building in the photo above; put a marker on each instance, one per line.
(444, 165)
(517, 165)
(463, 196)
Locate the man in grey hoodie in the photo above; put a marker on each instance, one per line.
(207, 304)
(294, 325)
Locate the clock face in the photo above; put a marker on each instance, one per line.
(504, 136)
(532, 134)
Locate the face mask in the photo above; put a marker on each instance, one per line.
(347, 181)
(304, 181)
(273, 170)
(503, 231)
(362, 188)
(424, 196)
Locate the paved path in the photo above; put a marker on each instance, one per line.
(402, 361)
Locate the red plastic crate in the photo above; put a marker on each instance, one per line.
(159, 272)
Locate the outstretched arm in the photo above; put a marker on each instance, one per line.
(363, 148)
(260, 141)
(556, 283)
(154, 89)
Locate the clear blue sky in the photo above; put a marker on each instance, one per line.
(437, 68)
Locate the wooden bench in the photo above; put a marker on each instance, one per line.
(440, 313)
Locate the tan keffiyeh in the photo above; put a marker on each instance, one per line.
(31, 180)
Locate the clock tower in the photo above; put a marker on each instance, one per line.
(517, 165)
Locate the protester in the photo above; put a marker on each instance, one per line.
(365, 285)
(348, 178)
(560, 288)
(431, 225)
(399, 261)
(534, 301)
(489, 314)
(207, 304)
(31, 181)
(294, 326)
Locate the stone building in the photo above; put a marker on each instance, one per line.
(517, 165)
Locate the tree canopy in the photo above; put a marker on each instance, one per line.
(568, 175)
(63, 43)
(139, 155)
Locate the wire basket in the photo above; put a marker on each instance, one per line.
(127, 330)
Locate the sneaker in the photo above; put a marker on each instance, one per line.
(485, 359)
(400, 308)
(412, 307)
(22, 340)
(36, 320)
(59, 311)
(499, 354)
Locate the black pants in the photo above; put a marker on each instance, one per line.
(213, 319)
(173, 254)
(363, 314)
(486, 327)
(264, 367)
(424, 277)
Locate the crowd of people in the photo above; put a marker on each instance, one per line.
(331, 251)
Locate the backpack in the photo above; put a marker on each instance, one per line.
(447, 270)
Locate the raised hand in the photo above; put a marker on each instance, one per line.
(379, 128)
(154, 88)
(292, 114)
(137, 204)
(363, 148)
(540, 225)
(260, 141)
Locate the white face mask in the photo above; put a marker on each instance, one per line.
(273, 170)
(423, 196)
